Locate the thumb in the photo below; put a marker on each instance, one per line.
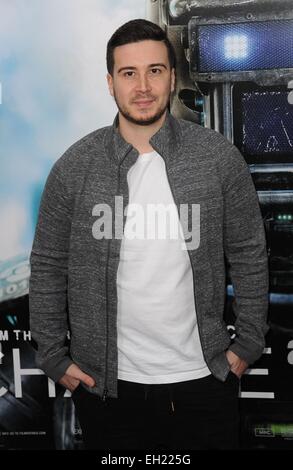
(74, 371)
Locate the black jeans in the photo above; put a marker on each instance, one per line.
(196, 414)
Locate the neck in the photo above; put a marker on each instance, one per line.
(139, 136)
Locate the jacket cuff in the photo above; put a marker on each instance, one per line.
(56, 370)
(249, 352)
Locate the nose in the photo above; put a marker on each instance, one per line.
(143, 84)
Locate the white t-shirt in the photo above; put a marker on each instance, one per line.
(158, 339)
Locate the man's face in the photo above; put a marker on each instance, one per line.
(142, 81)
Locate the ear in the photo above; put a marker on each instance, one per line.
(173, 80)
(110, 84)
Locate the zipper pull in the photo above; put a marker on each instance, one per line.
(172, 406)
(105, 393)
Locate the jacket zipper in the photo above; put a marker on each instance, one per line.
(192, 270)
(105, 391)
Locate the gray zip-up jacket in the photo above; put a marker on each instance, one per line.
(73, 274)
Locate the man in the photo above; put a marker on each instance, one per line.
(150, 362)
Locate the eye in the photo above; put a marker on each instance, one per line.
(129, 73)
(155, 71)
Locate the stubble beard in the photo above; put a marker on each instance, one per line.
(141, 121)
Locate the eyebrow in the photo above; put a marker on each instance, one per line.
(150, 66)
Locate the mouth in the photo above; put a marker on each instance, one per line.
(144, 103)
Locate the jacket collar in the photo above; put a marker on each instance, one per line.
(166, 140)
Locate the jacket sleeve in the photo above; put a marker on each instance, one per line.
(245, 251)
(48, 281)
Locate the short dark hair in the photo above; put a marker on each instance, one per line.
(136, 31)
